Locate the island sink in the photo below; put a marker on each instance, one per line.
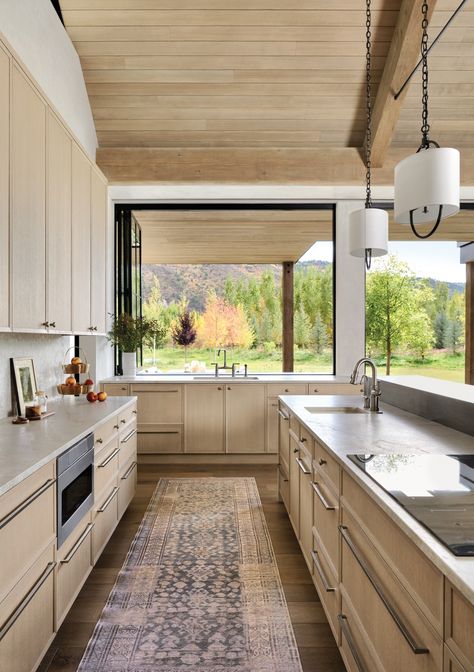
(334, 409)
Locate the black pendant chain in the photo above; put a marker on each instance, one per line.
(368, 93)
(425, 127)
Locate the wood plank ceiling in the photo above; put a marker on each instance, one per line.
(226, 84)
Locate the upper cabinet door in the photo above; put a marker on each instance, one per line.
(98, 251)
(4, 191)
(81, 242)
(28, 205)
(58, 208)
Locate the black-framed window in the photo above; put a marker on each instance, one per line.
(128, 300)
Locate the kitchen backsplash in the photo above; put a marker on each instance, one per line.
(47, 352)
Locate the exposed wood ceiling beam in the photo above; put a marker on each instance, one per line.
(402, 57)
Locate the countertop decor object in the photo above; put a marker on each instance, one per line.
(24, 376)
(128, 334)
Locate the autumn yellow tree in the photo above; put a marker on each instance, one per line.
(223, 325)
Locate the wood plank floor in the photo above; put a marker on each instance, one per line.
(315, 641)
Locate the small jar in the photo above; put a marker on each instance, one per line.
(42, 398)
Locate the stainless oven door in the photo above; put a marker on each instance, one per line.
(75, 494)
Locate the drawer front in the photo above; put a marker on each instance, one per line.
(275, 389)
(419, 576)
(273, 418)
(354, 646)
(284, 487)
(27, 525)
(459, 626)
(306, 458)
(128, 445)
(327, 586)
(325, 464)
(105, 522)
(158, 404)
(385, 609)
(27, 622)
(127, 488)
(126, 416)
(106, 464)
(107, 431)
(73, 569)
(306, 517)
(294, 476)
(307, 440)
(334, 388)
(284, 438)
(452, 664)
(165, 441)
(294, 424)
(326, 521)
(116, 389)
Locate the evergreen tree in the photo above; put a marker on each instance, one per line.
(302, 328)
(319, 336)
(441, 326)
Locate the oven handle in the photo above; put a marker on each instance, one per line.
(77, 545)
(107, 501)
(29, 500)
(129, 436)
(6, 627)
(108, 459)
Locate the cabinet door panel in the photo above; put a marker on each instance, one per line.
(98, 254)
(272, 425)
(245, 418)
(204, 419)
(294, 475)
(81, 242)
(28, 205)
(59, 251)
(157, 405)
(4, 190)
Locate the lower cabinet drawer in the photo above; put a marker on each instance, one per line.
(27, 618)
(284, 487)
(106, 464)
(306, 517)
(356, 651)
(167, 441)
(127, 487)
(459, 627)
(105, 522)
(325, 464)
(327, 586)
(128, 446)
(402, 637)
(126, 416)
(326, 521)
(116, 389)
(452, 664)
(73, 568)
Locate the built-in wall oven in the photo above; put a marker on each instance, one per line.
(75, 486)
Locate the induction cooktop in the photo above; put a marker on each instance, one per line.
(437, 490)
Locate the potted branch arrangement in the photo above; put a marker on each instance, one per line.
(184, 332)
(128, 334)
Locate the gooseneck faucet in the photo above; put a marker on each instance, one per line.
(374, 389)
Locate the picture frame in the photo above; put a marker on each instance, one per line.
(24, 376)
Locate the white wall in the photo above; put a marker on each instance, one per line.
(34, 31)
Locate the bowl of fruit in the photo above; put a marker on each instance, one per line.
(77, 364)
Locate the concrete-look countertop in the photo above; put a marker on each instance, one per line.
(209, 378)
(393, 431)
(442, 388)
(26, 448)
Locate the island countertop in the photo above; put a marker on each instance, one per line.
(393, 431)
(26, 448)
(209, 378)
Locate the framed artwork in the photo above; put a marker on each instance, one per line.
(23, 370)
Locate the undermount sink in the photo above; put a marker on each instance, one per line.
(335, 409)
(211, 376)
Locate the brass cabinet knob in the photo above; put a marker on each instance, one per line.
(321, 461)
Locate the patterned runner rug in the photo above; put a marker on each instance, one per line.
(199, 589)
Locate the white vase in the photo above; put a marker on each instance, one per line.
(129, 363)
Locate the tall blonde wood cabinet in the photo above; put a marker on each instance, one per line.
(28, 204)
(98, 251)
(204, 418)
(58, 229)
(245, 418)
(81, 242)
(4, 190)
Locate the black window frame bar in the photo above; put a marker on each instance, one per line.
(123, 216)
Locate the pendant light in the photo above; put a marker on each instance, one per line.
(427, 184)
(368, 227)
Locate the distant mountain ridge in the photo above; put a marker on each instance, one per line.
(195, 281)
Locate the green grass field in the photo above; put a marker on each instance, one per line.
(438, 364)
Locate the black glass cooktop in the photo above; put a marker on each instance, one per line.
(437, 490)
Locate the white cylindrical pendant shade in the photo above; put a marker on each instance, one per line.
(368, 230)
(427, 179)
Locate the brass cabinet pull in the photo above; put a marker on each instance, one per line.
(77, 545)
(302, 466)
(107, 501)
(45, 324)
(321, 462)
(416, 648)
(26, 502)
(322, 576)
(116, 426)
(134, 411)
(281, 414)
(10, 622)
(282, 474)
(123, 421)
(99, 441)
(52, 324)
(108, 459)
(124, 389)
(219, 388)
(303, 439)
(350, 642)
(129, 471)
(129, 436)
(322, 498)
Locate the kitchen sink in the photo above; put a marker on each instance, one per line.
(335, 409)
(211, 376)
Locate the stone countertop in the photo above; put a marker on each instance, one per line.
(26, 448)
(442, 388)
(393, 431)
(203, 378)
